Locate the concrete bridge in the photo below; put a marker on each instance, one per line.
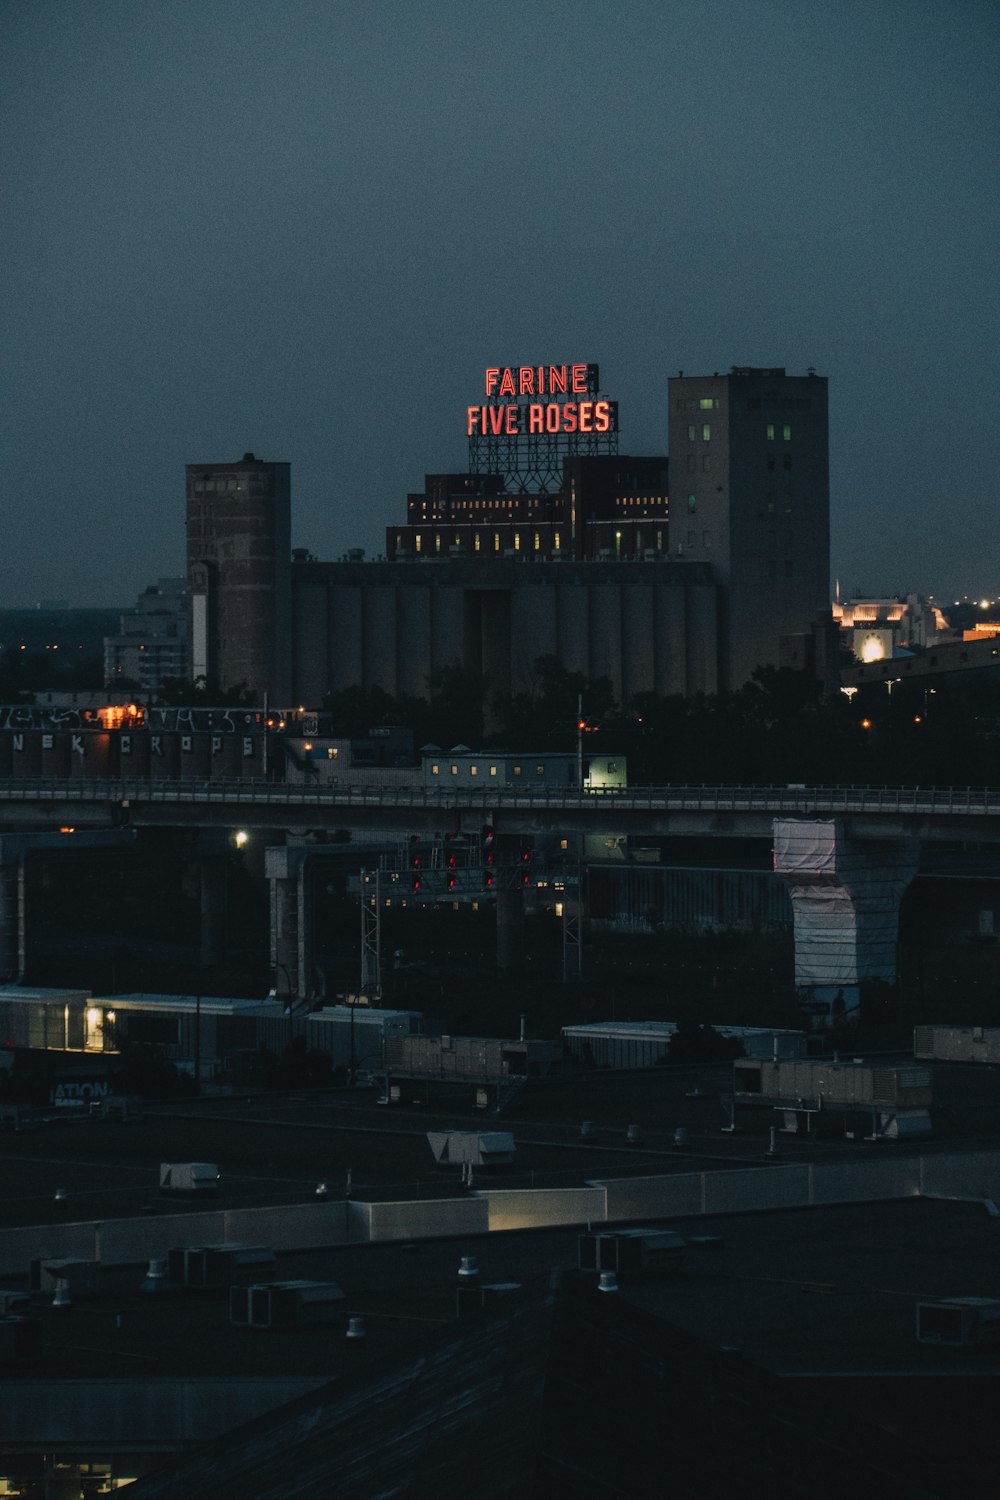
(846, 853)
(928, 814)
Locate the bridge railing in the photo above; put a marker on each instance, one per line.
(820, 800)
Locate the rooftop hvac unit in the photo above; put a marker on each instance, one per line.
(80, 1276)
(217, 1267)
(123, 1109)
(959, 1322)
(631, 1252)
(483, 1148)
(489, 1296)
(192, 1177)
(286, 1304)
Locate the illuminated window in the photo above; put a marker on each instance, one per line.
(557, 541)
(496, 541)
(493, 770)
(517, 770)
(517, 541)
(692, 503)
(454, 770)
(786, 433)
(707, 403)
(473, 770)
(437, 542)
(706, 433)
(692, 432)
(770, 432)
(538, 542)
(418, 543)
(435, 770)
(476, 543)
(539, 770)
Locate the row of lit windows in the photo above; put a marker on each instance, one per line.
(532, 501)
(696, 403)
(786, 432)
(706, 432)
(477, 541)
(640, 500)
(474, 770)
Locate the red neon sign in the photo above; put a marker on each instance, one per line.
(499, 416)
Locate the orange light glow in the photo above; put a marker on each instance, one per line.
(866, 723)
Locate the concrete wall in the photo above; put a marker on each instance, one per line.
(974, 1175)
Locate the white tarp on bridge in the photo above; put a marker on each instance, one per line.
(845, 897)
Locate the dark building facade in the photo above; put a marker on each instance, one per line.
(239, 574)
(750, 496)
(607, 507)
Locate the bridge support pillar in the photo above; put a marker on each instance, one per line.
(510, 929)
(12, 923)
(285, 935)
(846, 896)
(213, 908)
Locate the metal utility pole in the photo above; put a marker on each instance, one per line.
(579, 742)
(572, 926)
(371, 933)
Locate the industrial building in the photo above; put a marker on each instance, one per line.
(668, 590)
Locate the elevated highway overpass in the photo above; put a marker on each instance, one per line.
(845, 853)
(927, 814)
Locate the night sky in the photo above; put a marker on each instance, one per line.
(305, 227)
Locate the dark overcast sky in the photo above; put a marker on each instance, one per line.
(304, 227)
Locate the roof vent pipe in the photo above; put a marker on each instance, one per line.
(156, 1282)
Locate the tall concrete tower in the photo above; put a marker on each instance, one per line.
(750, 494)
(239, 575)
